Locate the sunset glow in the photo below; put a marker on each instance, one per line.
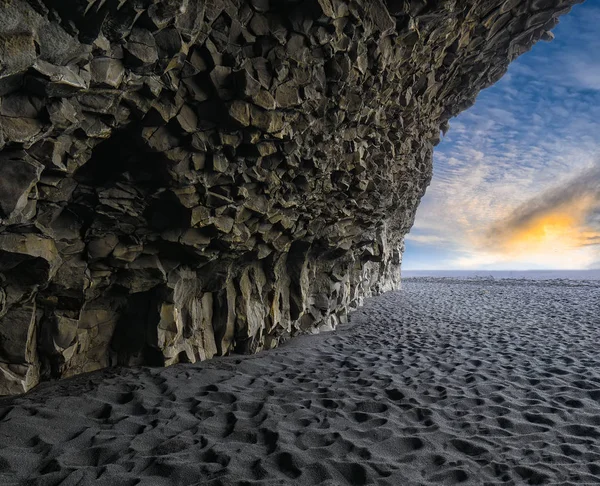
(516, 182)
(557, 236)
(563, 229)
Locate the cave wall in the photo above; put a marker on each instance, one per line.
(182, 179)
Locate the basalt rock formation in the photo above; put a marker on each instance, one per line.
(182, 179)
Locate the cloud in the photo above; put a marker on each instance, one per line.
(568, 211)
(574, 65)
(514, 217)
(513, 167)
(558, 228)
(559, 225)
(427, 239)
(586, 76)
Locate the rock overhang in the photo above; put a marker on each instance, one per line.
(184, 179)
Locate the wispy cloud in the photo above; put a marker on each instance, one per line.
(556, 228)
(427, 239)
(568, 211)
(523, 153)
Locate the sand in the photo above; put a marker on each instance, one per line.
(445, 382)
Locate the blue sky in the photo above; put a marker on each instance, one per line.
(517, 178)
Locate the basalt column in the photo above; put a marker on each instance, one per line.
(181, 179)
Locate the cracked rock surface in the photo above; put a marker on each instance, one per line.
(183, 179)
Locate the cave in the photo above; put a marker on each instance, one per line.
(181, 180)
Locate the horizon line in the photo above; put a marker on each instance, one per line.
(504, 270)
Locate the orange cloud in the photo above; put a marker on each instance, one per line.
(559, 228)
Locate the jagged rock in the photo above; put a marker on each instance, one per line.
(265, 100)
(187, 119)
(102, 247)
(287, 95)
(200, 216)
(267, 121)
(127, 252)
(248, 85)
(223, 223)
(185, 329)
(221, 77)
(334, 8)
(16, 331)
(57, 81)
(19, 119)
(28, 258)
(106, 71)
(183, 179)
(17, 52)
(380, 16)
(88, 351)
(19, 368)
(141, 46)
(240, 112)
(220, 163)
(18, 175)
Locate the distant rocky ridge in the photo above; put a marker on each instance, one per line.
(182, 179)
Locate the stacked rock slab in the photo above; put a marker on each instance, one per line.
(183, 179)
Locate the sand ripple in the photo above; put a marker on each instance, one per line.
(445, 382)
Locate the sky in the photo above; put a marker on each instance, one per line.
(516, 182)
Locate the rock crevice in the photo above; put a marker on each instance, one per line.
(183, 179)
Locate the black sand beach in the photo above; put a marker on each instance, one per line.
(445, 382)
